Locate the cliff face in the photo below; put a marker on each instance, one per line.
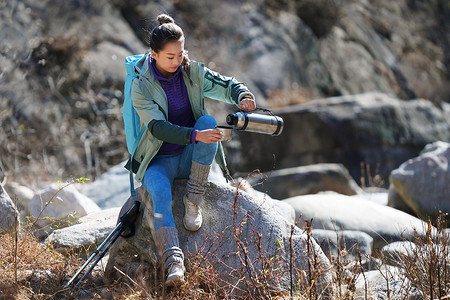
(62, 64)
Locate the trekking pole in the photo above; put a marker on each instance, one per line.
(126, 221)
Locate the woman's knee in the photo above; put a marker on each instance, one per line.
(205, 122)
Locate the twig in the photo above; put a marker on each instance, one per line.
(358, 253)
(291, 265)
(56, 92)
(16, 226)
(134, 282)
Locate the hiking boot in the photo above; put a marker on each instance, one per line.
(171, 255)
(175, 274)
(192, 216)
(195, 190)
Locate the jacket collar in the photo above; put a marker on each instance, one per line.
(143, 69)
(142, 66)
(159, 76)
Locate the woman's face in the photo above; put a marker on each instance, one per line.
(169, 58)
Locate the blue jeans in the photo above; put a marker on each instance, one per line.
(163, 169)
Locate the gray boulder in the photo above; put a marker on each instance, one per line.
(57, 202)
(395, 200)
(347, 242)
(339, 212)
(374, 128)
(283, 209)
(311, 179)
(88, 232)
(424, 181)
(395, 252)
(239, 231)
(385, 282)
(111, 189)
(379, 196)
(22, 195)
(407, 253)
(8, 212)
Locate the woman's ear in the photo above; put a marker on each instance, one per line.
(154, 55)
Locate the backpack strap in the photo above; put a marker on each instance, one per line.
(136, 143)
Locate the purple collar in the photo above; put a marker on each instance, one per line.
(158, 75)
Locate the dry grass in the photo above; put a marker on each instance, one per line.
(369, 178)
(426, 263)
(30, 269)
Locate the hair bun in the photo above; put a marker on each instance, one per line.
(163, 18)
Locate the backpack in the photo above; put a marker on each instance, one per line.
(131, 119)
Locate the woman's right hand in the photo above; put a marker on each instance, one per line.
(209, 136)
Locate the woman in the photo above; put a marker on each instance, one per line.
(181, 140)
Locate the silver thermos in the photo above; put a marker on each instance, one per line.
(259, 123)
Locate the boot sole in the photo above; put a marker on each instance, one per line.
(175, 281)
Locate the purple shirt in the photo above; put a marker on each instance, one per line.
(180, 111)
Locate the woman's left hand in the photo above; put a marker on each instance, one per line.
(247, 104)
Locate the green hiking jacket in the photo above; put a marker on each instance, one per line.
(150, 102)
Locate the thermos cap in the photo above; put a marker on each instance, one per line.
(232, 119)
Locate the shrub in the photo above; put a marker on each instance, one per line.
(426, 262)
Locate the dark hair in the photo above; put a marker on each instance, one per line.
(166, 31)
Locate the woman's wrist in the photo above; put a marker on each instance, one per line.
(194, 136)
(247, 103)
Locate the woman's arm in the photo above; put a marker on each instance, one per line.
(154, 118)
(224, 88)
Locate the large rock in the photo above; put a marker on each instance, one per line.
(339, 212)
(22, 195)
(312, 179)
(238, 230)
(373, 129)
(8, 212)
(283, 209)
(424, 181)
(395, 200)
(111, 189)
(57, 202)
(347, 244)
(384, 282)
(397, 252)
(88, 232)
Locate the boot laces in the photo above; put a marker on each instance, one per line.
(192, 208)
